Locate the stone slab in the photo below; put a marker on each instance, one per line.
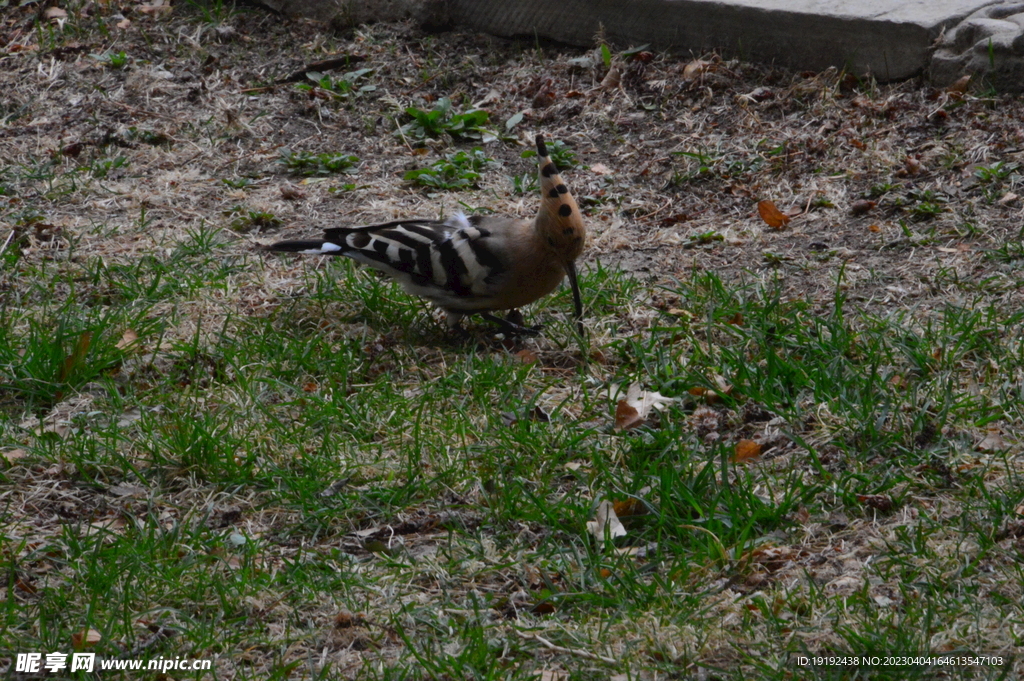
(890, 39)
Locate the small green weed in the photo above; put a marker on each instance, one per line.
(347, 85)
(526, 184)
(997, 178)
(442, 120)
(239, 182)
(113, 60)
(707, 165)
(881, 189)
(460, 170)
(102, 167)
(997, 172)
(254, 221)
(927, 203)
(306, 163)
(561, 154)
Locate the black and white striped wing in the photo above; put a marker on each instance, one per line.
(451, 263)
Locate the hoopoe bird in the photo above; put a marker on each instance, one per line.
(473, 265)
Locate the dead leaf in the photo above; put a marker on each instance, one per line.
(156, 9)
(879, 502)
(861, 207)
(1007, 199)
(124, 23)
(772, 216)
(55, 13)
(13, 455)
(606, 523)
(128, 338)
(874, 228)
(538, 414)
(629, 507)
(27, 587)
(527, 356)
(745, 451)
(85, 638)
(913, 166)
(993, 442)
(77, 356)
(626, 417)
(960, 86)
(637, 405)
(612, 79)
(600, 169)
(696, 69)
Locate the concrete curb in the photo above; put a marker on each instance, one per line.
(888, 39)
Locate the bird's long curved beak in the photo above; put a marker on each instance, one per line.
(577, 301)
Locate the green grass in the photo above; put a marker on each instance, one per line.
(267, 412)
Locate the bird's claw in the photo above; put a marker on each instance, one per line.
(513, 328)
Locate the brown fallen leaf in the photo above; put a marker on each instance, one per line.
(85, 638)
(960, 86)
(526, 356)
(861, 207)
(128, 339)
(745, 451)
(124, 23)
(629, 507)
(993, 442)
(695, 69)
(879, 502)
(874, 228)
(637, 405)
(55, 13)
(77, 356)
(626, 417)
(156, 9)
(13, 455)
(27, 587)
(772, 216)
(612, 79)
(913, 166)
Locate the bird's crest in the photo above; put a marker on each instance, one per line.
(558, 221)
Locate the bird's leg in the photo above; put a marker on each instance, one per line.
(514, 316)
(512, 324)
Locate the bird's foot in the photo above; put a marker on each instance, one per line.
(513, 324)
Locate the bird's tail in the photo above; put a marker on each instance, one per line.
(311, 247)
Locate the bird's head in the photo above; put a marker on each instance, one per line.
(559, 222)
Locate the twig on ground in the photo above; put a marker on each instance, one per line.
(562, 649)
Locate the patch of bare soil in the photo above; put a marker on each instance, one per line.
(899, 187)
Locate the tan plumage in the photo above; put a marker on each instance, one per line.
(477, 264)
